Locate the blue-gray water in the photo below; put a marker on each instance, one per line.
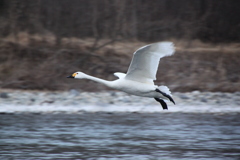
(133, 136)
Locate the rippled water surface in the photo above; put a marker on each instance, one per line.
(120, 136)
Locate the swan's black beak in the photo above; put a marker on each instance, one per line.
(70, 76)
(73, 75)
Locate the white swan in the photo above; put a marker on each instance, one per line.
(141, 74)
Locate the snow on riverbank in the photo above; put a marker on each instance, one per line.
(72, 101)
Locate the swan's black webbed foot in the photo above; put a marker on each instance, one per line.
(164, 105)
(166, 95)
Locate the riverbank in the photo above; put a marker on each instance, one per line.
(44, 66)
(76, 101)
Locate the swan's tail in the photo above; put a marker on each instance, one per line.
(165, 89)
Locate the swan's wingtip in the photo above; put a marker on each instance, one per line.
(167, 48)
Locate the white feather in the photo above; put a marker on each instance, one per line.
(141, 73)
(144, 65)
(119, 75)
(165, 89)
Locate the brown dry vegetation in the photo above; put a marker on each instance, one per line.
(36, 62)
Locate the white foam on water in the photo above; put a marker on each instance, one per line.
(114, 108)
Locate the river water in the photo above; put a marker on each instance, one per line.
(120, 135)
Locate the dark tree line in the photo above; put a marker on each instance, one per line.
(147, 20)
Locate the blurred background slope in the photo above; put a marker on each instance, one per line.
(42, 42)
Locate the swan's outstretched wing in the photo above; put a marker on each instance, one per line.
(144, 65)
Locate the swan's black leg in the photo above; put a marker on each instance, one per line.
(166, 95)
(164, 105)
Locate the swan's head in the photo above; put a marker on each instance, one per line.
(78, 75)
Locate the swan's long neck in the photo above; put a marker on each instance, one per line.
(99, 80)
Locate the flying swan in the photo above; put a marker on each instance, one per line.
(141, 74)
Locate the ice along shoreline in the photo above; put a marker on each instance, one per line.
(75, 101)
